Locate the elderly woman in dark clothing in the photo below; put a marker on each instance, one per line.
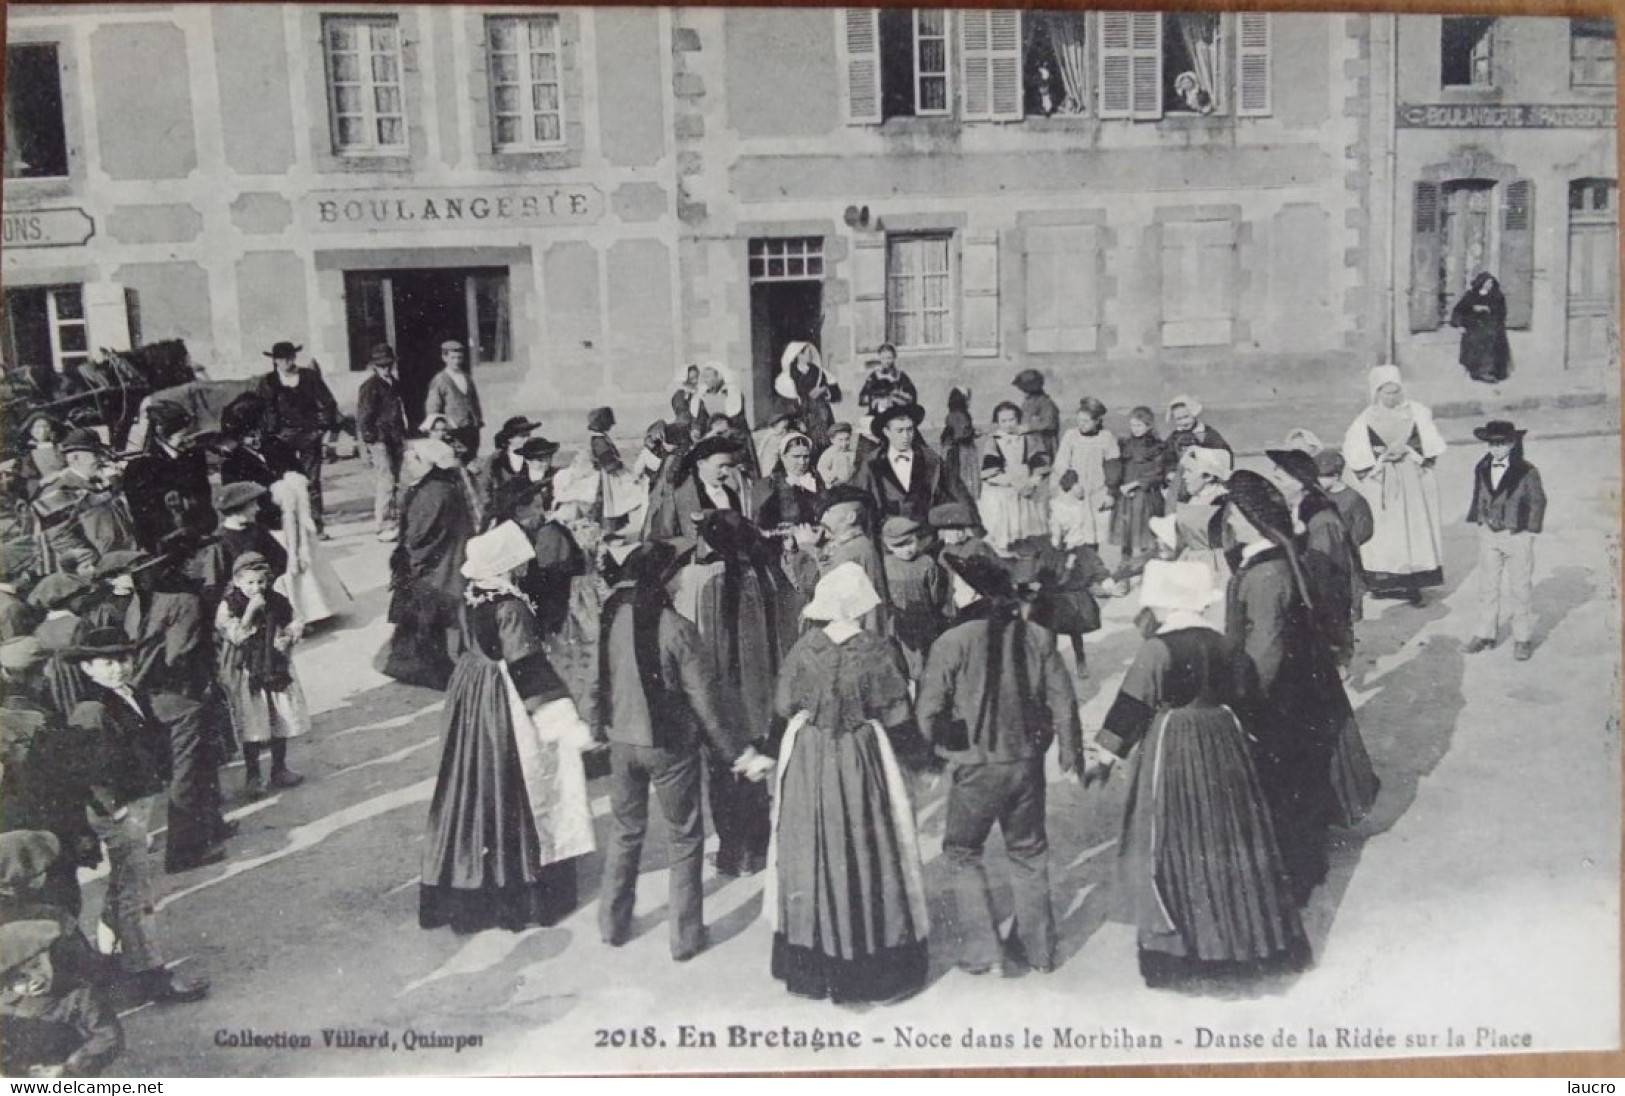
(1297, 702)
(1482, 315)
(1331, 563)
(437, 520)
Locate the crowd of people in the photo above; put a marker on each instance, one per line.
(805, 622)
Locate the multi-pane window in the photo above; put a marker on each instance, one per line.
(930, 61)
(364, 83)
(796, 258)
(45, 325)
(527, 104)
(1152, 65)
(896, 63)
(919, 292)
(1465, 43)
(1591, 53)
(36, 143)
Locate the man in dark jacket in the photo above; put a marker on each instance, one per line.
(993, 696)
(79, 513)
(904, 478)
(659, 702)
(128, 772)
(1509, 507)
(380, 420)
(300, 410)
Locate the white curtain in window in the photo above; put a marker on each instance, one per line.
(1200, 33)
(1066, 38)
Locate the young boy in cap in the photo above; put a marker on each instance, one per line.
(1509, 507)
(63, 598)
(959, 531)
(239, 533)
(917, 589)
(993, 696)
(55, 1025)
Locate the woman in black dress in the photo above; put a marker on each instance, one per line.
(1203, 877)
(1482, 315)
(510, 814)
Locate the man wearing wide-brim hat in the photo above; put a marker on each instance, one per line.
(703, 483)
(380, 423)
(1509, 508)
(300, 410)
(993, 696)
(127, 771)
(167, 486)
(904, 477)
(505, 465)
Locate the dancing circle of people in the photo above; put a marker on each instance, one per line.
(799, 629)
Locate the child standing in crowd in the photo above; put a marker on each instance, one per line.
(55, 1024)
(959, 459)
(1509, 507)
(1040, 417)
(839, 463)
(1091, 451)
(239, 533)
(1006, 484)
(257, 631)
(1072, 530)
(918, 590)
(1140, 497)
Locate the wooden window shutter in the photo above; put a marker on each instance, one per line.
(1146, 49)
(868, 294)
(860, 64)
(107, 317)
(979, 279)
(990, 64)
(1518, 252)
(1116, 65)
(1253, 65)
(1062, 288)
(1425, 257)
(976, 63)
(1004, 34)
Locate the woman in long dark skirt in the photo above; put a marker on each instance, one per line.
(1482, 315)
(961, 459)
(845, 890)
(510, 814)
(1203, 877)
(1295, 711)
(1140, 496)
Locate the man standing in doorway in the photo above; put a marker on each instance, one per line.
(452, 394)
(380, 419)
(299, 411)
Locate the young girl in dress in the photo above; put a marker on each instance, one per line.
(1091, 451)
(257, 629)
(1007, 488)
(959, 458)
(1139, 498)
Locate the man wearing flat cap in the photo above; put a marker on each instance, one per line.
(452, 393)
(1509, 508)
(167, 486)
(300, 411)
(904, 477)
(18, 617)
(78, 512)
(56, 1025)
(380, 421)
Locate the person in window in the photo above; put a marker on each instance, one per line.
(452, 393)
(1391, 448)
(1482, 316)
(1046, 92)
(300, 411)
(1191, 94)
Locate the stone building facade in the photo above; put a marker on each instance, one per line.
(1135, 203)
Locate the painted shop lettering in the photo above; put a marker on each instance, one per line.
(547, 207)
